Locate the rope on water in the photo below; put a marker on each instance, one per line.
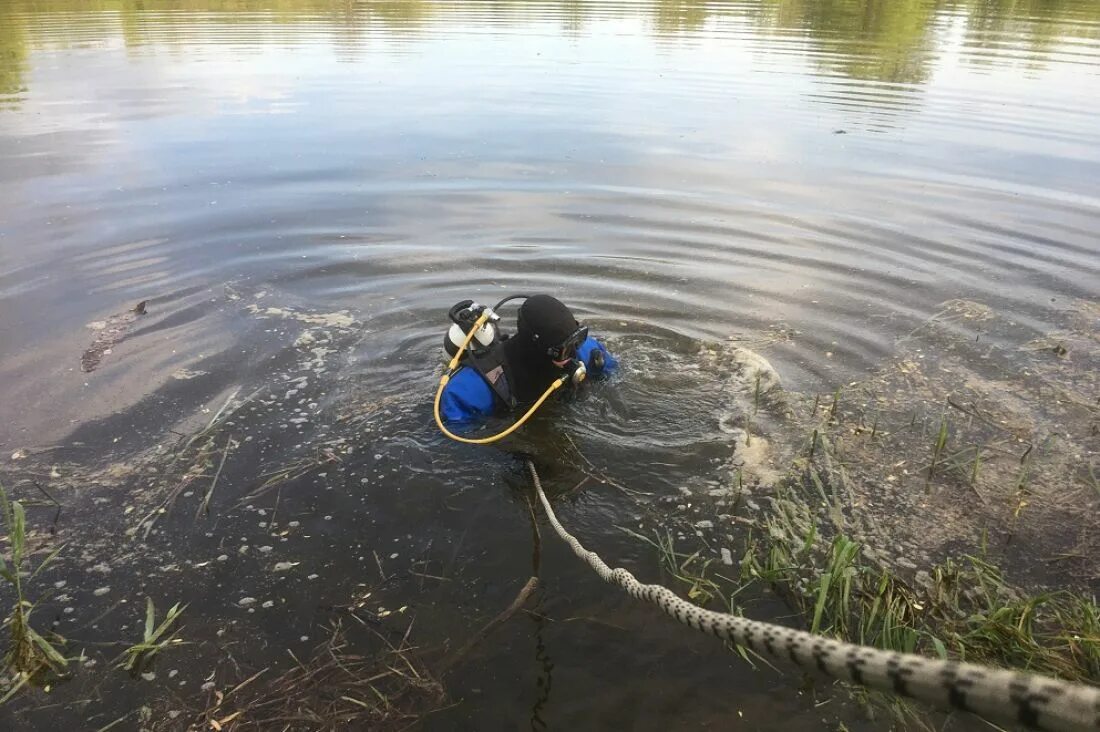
(1034, 701)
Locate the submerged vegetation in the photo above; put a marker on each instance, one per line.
(335, 688)
(927, 509)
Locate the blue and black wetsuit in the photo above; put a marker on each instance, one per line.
(468, 397)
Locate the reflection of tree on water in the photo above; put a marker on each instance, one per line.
(893, 41)
(896, 40)
(881, 40)
(888, 40)
(13, 53)
(573, 17)
(677, 17)
(1035, 26)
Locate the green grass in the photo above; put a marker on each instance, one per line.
(30, 656)
(1052, 632)
(937, 450)
(964, 608)
(691, 570)
(155, 638)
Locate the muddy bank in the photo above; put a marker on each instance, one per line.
(948, 504)
(980, 431)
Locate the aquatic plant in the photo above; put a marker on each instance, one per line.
(690, 570)
(937, 450)
(154, 640)
(29, 655)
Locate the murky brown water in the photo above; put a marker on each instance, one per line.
(680, 172)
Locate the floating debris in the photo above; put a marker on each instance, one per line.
(336, 688)
(108, 333)
(338, 319)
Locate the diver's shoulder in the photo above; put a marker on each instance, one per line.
(468, 379)
(466, 397)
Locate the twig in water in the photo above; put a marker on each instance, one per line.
(235, 689)
(599, 475)
(117, 722)
(295, 470)
(378, 561)
(536, 537)
(53, 500)
(224, 407)
(975, 414)
(151, 518)
(204, 507)
(579, 453)
(275, 510)
(602, 478)
(520, 601)
(579, 485)
(91, 623)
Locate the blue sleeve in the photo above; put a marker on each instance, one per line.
(466, 397)
(589, 347)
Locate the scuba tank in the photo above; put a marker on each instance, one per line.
(474, 339)
(464, 315)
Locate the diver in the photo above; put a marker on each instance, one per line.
(499, 373)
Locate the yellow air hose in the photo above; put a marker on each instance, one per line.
(450, 372)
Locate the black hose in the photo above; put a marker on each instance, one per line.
(508, 298)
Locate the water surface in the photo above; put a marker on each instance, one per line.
(681, 173)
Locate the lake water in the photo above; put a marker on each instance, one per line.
(300, 189)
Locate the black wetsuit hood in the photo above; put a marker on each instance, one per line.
(543, 323)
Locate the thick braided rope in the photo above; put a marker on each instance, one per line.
(1031, 700)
